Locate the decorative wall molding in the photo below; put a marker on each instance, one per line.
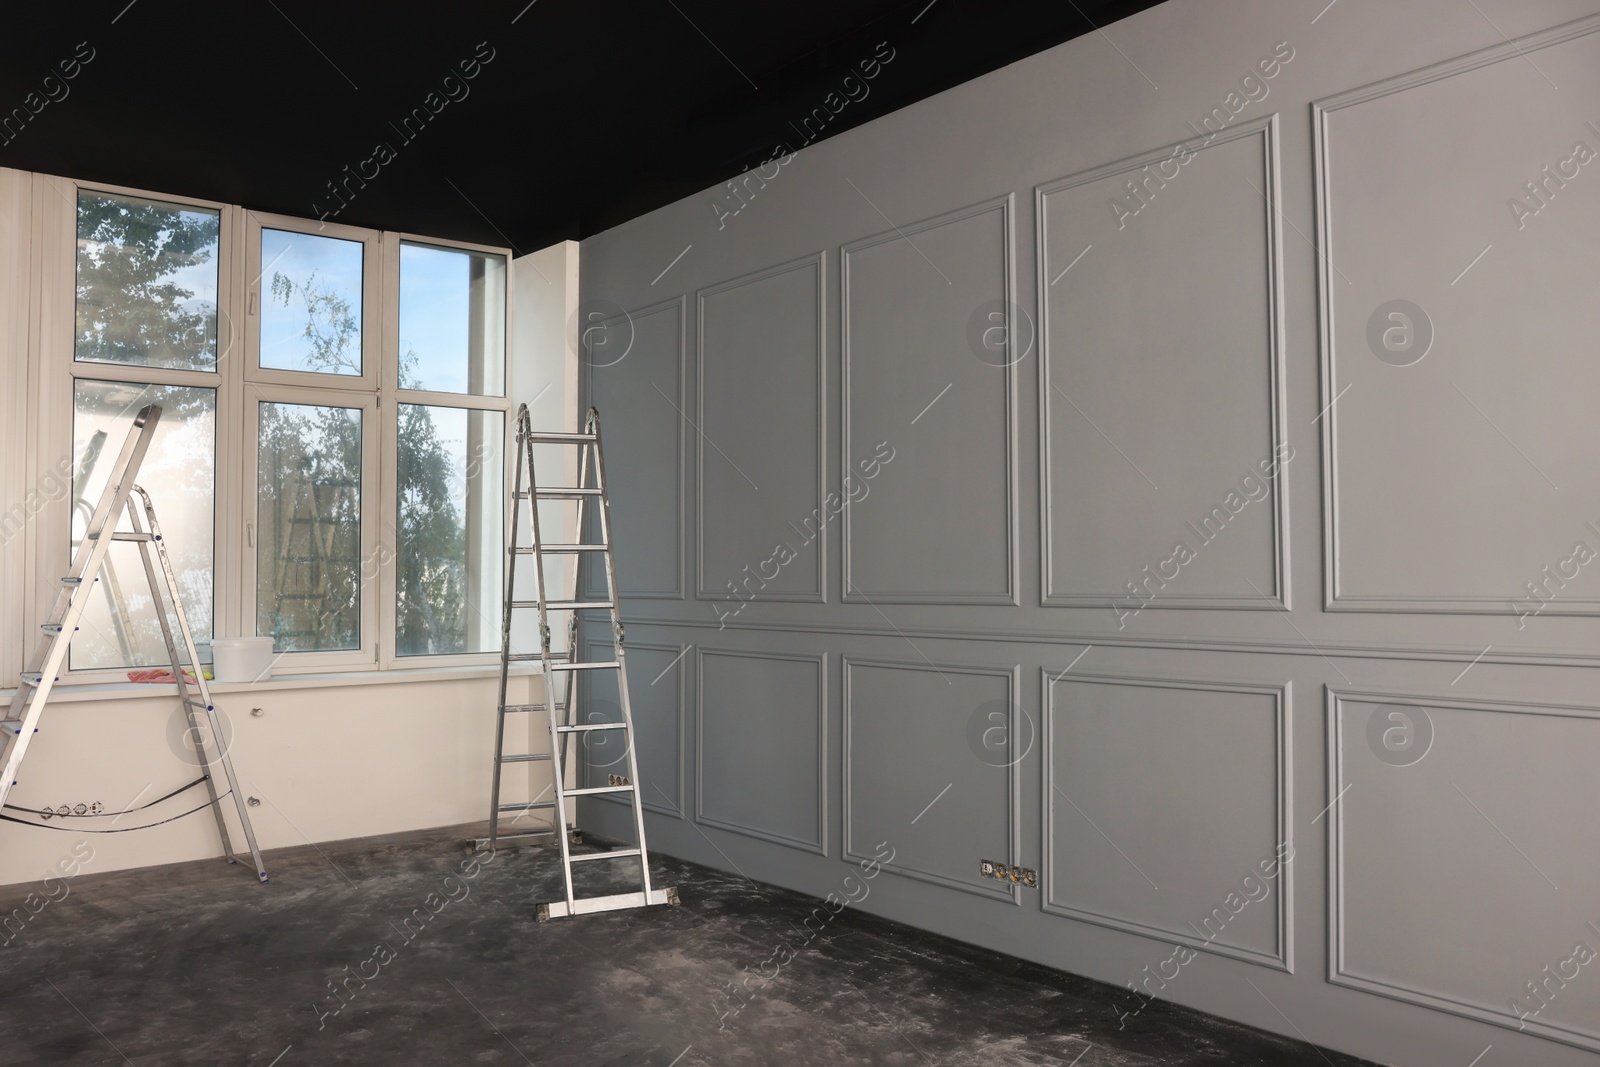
(596, 589)
(1283, 958)
(1322, 110)
(675, 808)
(818, 846)
(1169, 643)
(1013, 677)
(818, 262)
(1005, 206)
(1336, 698)
(1277, 598)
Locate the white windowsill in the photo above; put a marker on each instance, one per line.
(67, 692)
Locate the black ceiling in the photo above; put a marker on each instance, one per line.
(585, 114)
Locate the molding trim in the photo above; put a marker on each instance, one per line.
(676, 593)
(1167, 643)
(1337, 974)
(1322, 110)
(1282, 695)
(818, 261)
(820, 845)
(1013, 677)
(1005, 204)
(1279, 600)
(648, 805)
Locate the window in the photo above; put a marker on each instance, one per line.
(329, 467)
(146, 283)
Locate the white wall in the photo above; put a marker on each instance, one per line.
(1159, 754)
(329, 757)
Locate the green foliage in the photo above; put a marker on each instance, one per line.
(129, 308)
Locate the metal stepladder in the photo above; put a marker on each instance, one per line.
(564, 724)
(27, 704)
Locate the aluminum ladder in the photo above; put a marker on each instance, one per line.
(564, 725)
(120, 496)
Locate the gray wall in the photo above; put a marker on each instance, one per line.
(959, 665)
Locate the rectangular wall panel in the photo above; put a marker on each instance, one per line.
(637, 385)
(760, 722)
(1457, 277)
(761, 440)
(1161, 375)
(930, 769)
(931, 339)
(655, 692)
(1454, 880)
(1145, 831)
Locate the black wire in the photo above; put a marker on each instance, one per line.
(108, 814)
(119, 830)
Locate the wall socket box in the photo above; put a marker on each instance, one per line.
(1000, 871)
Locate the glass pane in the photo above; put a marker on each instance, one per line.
(146, 283)
(120, 627)
(452, 321)
(308, 528)
(310, 303)
(450, 531)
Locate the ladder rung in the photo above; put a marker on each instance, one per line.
(11, 726)
(54, 627)
(72, 579)
(528, 757)
(614, 854)
(561, 438)
(575, 548)
(596, 790)
(133, 537)
(577, 605)
(530, 707)
(527, 807)
(609, 665)
(557, 909)
(561, 493)
(201, 704)
(33, 678)
(524, 657)
(591, 726)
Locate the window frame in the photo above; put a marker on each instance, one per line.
(389, 657)
(49, 207)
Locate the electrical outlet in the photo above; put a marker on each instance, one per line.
(617, 779)
(1006, 873)
(72, 809)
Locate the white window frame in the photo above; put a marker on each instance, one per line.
(49, 369)
(55, 205)
(391, 657)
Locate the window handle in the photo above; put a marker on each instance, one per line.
(250, 534)
(253, 295)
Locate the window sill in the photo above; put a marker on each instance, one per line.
(69, 692)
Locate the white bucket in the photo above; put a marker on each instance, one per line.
(241, 659)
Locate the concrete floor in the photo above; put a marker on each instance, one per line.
(197, 964)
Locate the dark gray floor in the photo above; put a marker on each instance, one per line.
(197, 964)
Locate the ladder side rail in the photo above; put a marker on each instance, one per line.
(200, 683)
(177, 668)
(570, 714)
(68, 609)
(603, 513)
(558, 786)
(505, 640)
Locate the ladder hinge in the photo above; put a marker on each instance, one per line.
(617, 628)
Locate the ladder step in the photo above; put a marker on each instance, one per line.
(561, 438)
(614, 854)
(11, 726)
(527, 807)
(564, 605)
(72, 579)
(529, 757)
(591, 726)
(529, 707)
(557, 909)
(598, 789)
(54, 627)
(562, 493)
(575, 548)
(610, 665)
(133, 537)
(33, 678)
(201, 704)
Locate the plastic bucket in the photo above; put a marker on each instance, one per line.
(242, 659)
